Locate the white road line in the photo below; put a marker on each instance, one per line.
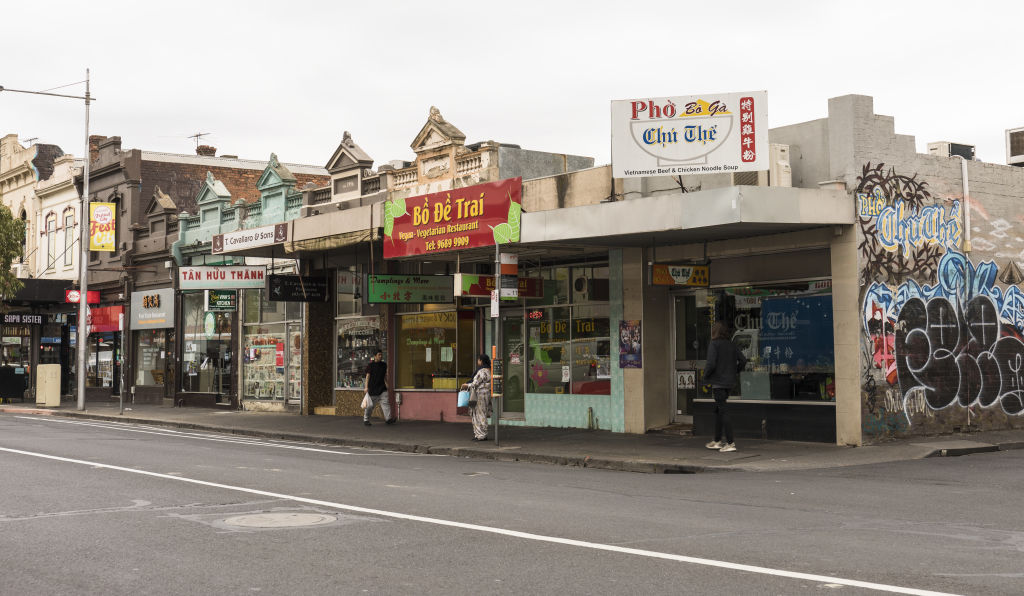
(126, 427)
(503, 532)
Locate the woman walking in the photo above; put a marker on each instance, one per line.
(480, 397)
(725, 361)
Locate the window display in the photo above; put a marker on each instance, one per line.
(207, 352)
(358, 340)
(150, 357)
(271, 348)
(434, 350)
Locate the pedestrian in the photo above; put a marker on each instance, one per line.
(725, 361)
(376, 384)
(480, 397)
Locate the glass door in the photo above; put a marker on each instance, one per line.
(692, 314)
(513, 354)
(293, 364)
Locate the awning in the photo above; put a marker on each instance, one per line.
(327, 228)
(716, 214)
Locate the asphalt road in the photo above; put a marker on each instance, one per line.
(109, 508)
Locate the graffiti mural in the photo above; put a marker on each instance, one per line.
(941, 333)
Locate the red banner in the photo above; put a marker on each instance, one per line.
(470, 217)
(104, 319)
(73, 296)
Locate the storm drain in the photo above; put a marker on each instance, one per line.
(279, 520)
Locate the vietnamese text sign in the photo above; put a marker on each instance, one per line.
(222, 278)
(152, 309)
(697, 134)
(411, 288)
(221, 300)
(297, 288)
(470, 217)
(471, 284)
(102, 227)
(680, 275)
(256, 237)
(797, 332)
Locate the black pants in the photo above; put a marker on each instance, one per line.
(722, 421)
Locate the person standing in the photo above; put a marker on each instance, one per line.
(725, 361)
(376, 384)
(480, 397)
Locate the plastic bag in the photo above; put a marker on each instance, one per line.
(463, 399)
(366, 401)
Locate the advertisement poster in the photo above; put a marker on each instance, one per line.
(696, 134)
(630, 350)
(469, 217)
(102, 227)
(411, 289)
(797, 332)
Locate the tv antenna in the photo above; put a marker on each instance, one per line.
(197, 136)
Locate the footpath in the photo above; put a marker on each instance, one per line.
(651, 453)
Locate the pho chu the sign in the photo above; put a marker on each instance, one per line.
(470, 217)
(697, 134)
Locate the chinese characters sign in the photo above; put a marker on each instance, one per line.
(152, 309)
(680, 275)
(698, 134)
(102, 226)
(411, 289)
(470, 217)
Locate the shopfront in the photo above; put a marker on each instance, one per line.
(271, 349)
(152, 336)
(103, 359)
(358, 336)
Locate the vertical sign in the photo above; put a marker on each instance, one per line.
(102, 226)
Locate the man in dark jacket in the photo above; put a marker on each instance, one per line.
(725, 361)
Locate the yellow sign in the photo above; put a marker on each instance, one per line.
(680, 275)
(102, 226)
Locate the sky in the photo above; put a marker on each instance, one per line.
(291, 77)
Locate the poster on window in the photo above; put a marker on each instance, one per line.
(796, 333)
(630, 351)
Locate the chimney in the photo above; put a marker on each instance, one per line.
(206, 151)
(94, 146)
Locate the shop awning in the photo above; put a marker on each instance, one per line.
(716, 214)
(327, 228)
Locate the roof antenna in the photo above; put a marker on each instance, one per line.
(197, 136)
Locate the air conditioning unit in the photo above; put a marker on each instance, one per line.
(778, 173)
(947, 149)
(580, 289)
(19, 270)
(1015, 147)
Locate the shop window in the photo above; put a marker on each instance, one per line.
(359, 338)
(590, 350)
(349, 293)
(207, 346)
(150, 357)
(548, 367)
(786, 332)
(589, 284)
(556, 286)
(435, 350)
(272, 348)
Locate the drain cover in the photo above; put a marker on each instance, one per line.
(279, 520)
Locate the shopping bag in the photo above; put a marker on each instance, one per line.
(366, 401)
(463, 399)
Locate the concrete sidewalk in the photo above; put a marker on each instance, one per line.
(651, 453)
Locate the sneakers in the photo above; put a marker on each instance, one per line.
(715, 445)
(390, 421)
(727, 447)
(367, 423)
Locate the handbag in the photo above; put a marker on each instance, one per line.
(366, 401)
(463, 399)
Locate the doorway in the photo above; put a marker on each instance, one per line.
(691, 315)
(513, 355)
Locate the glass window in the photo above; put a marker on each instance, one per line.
(548, 370)
(786, 332)
(102, 362)
(359, 338)
(150, 354)
(589, 284)
(591, 350)
(349, 293)
(51, 241)
(556, 286)
(69, 239)
(272, 348)
(434, 350)
(207, 348)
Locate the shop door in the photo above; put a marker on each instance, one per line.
(513, 355)
(293, 364)
(692, 320)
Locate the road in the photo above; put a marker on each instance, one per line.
(90, 507)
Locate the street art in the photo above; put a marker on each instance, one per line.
(940, 332)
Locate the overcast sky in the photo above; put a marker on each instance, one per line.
(290, 77)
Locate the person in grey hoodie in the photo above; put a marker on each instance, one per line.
(725, 361)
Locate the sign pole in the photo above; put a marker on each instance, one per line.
(495, 349)
(83, 283)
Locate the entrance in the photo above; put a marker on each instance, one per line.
(692, 313)
(514, 358)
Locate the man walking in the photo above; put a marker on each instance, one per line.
(377, 388)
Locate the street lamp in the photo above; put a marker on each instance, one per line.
(83, 218)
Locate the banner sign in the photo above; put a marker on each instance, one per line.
(102, 227)
(256, 237)
(411, 289)
(480, 286)
(297, 288)
(221, 300)
(680, 275)
(470, 217)
(152, 309)
(23, 319)
(73, 296)
(797, 332)
(697, 134)
(222, 278)
(105, 319)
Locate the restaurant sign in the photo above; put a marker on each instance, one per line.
(152, 309)
(469, 284)
(697, 134)
(411, 289)
(680, 275)
(222, 278)
(470, 217)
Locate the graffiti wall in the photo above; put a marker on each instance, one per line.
(942, 332)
